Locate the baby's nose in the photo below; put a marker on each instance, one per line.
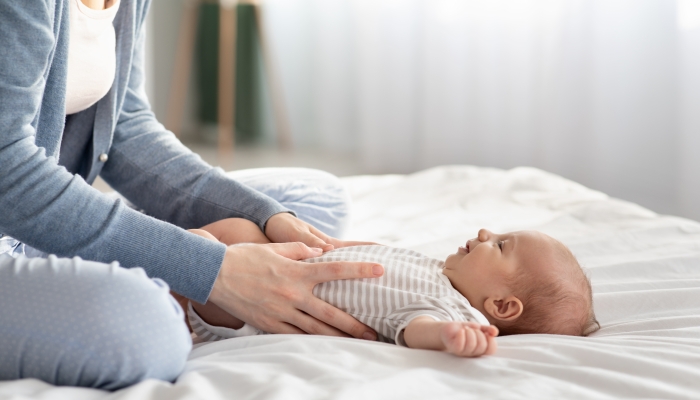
(484, 235)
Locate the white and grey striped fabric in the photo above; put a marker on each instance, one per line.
(413, 285)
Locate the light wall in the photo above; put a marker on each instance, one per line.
(164, 20)
(604, 92)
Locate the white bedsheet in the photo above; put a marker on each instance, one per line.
(645, 270)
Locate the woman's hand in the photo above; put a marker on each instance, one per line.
(284, 227)
(264, 285)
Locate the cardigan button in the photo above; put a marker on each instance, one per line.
(103, 158)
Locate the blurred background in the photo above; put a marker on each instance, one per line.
(606, 92)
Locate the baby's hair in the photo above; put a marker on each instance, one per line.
(560, 304)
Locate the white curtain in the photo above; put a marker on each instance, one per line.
(603, 92)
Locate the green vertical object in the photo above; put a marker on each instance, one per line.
(207, 59)
(248, 126)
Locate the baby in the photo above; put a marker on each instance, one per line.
(513, 283)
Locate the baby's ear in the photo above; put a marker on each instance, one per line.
(504, 309)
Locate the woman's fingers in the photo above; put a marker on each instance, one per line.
(336, 270)
(284, 227)
(348, 243)
(334, 318)
(314, 241)
(286, 328)
(313, 237)
(322, 311)
(294, 250)
(259, 284)
(315, 326)
(327, 240)
(337, 243)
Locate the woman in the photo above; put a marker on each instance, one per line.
(72, 107)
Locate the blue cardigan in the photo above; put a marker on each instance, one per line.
(55, 211)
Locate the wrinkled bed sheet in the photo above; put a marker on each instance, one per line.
(645, 270)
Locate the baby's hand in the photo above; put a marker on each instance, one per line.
(469, 339)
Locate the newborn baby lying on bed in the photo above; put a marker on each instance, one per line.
(515, 283)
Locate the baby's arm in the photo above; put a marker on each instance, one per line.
(465, 339)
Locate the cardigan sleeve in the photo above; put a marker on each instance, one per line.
(151, 168)
(48, 208)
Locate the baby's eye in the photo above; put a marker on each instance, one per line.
(500, 245)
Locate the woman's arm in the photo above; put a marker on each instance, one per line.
(465, 339)
(228, 231)
(149, 166)
(52, 210)
(48, 208)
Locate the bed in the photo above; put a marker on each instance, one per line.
(645, 270)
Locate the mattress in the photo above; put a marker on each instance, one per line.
(644, 267)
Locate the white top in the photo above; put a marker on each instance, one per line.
(91, 55)
(413, 285)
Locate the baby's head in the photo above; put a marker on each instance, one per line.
(524, 282)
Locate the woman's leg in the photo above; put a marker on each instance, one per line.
(233, 231)
(80, 323)
(317, 197)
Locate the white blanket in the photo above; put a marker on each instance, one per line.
(645, 270)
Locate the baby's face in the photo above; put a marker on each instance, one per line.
(484, 266)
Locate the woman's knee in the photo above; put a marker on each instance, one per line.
(72, 322)
(329, 204)
(316, 196)
(139, 328)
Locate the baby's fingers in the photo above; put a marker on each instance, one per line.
(465, 339)
(470, 342)
(492, 345)
(480, 343)
(489, 330)
(453, 337)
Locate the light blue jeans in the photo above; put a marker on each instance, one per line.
(81, 323)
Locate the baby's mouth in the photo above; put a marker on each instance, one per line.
(466, 248)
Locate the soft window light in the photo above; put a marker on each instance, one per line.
(688, 14)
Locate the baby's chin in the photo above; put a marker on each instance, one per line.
(452, 260)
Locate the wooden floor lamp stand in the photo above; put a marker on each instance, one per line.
(226, 74)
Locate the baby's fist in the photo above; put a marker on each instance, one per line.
(469, 339)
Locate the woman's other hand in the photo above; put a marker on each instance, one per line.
(284, 227)
(264, 285)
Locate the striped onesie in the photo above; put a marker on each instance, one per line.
(413, 285)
